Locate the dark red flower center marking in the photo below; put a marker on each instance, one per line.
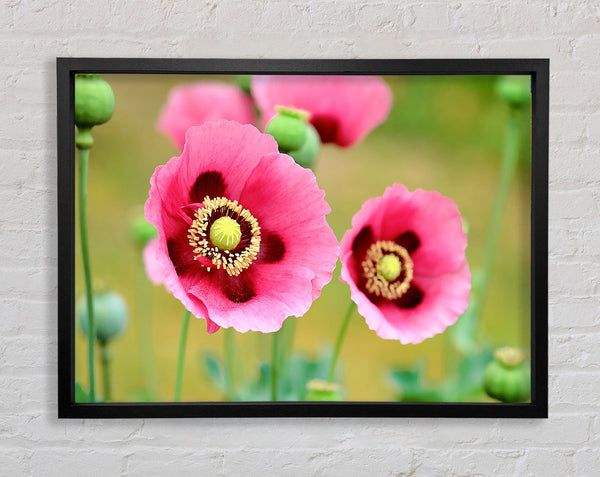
(210, 183)
(412, 298)
(378, 283)
(361, 243)
(238, 289)
(327, 127)
(177, 256)
(272, 248)
(409, 241)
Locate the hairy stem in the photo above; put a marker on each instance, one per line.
(181, 354)
(84, 152)
(229, 363)
(105, 360)
(340, 340)
(512, 141)
(144, 330)
(274, 366)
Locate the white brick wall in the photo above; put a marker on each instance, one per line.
(34, 442)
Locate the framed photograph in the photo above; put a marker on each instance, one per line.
(295, 238)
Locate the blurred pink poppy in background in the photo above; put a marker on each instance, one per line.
(404, 259)
(242, 236)
(194, 104)
(154, 272)
(343, 109)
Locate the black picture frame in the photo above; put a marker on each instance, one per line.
(539, 71)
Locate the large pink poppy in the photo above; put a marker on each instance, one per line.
(194, 104)
(404, 259)
(343, 109)
(231, 182)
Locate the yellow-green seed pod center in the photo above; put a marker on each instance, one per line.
(225, 233)
(389, 267)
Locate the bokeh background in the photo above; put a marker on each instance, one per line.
(443, 133)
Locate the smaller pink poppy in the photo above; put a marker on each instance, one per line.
(404, 260)
(343, 109)
(194, 104)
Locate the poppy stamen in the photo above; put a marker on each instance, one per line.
(226, 234)
(388, 269)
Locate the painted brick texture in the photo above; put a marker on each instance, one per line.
(33, 442)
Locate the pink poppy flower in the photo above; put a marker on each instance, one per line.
(343, 109)
(404, 259)
(242, 236)
(194, 104)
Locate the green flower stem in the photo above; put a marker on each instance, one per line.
(287, 331)
(274, 366)
(181, 354)
(262, 346)
(83, 142)
(229, 363)
(144, 331)
(512, 142)
(105, 360)
(340, 340)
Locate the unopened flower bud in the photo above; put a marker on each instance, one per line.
(244, 82)
(306, 155)
(288, 128)
(319, 390)
(94, 101)
(508, 377)
(110, 315)
(515, 90)
(141, 230)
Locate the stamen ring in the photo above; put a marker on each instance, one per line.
(376, 283)
(233, 261)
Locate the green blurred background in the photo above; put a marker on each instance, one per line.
(444, 133)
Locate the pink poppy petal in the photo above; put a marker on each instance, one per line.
(343, 109)
(278, 291)
(368, 220)
(445, 298)
(226, 147)
(306, 237)
(161, 269)
(195, 104)
(366, 308)
(216, 160)
(436, 222)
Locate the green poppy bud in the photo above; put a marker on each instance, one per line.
(94, 101)
(306, 155)
(288, 128)
(319, 390)
(244, 82)
(141, 230)
(508, 377)
(515, 90)
(110, 315)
